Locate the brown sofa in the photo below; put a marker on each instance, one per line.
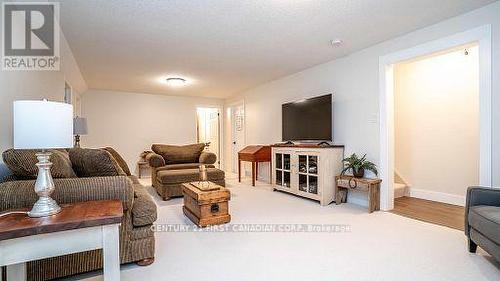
(173, 165)
(137, 243)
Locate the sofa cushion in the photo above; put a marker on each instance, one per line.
(94, 163)
(184, 166)
(486, 220)
(119, 159)
(175, 154)
(187, 175)
(22, 163)
(144, 209)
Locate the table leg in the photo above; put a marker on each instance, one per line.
(111, 252)
(253, 173)
(16, 272)
(256, 170)
(239, 170)
(371, 199)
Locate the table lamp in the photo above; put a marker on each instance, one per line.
(43, 125)
(79, 128)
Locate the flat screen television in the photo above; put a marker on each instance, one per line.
(308, 120)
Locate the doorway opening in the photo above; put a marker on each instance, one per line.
(480, 36)
(208, 130)
(436, 134)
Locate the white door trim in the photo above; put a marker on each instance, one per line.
(481, 35)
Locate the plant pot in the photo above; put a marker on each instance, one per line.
(359, 173)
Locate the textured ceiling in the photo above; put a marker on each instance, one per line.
(227, 46)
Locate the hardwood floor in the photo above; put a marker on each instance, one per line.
(430, 211)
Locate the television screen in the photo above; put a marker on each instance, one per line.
(309, 119)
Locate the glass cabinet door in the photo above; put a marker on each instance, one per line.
(279, 161)
(308, 173)
(283, 169)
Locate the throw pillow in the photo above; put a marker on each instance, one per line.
(119, 159)
(22, 163)
(94, 163)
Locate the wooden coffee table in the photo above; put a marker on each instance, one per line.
(79, 227)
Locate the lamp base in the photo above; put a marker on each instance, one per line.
(77, 141)
(44, 186)
(45, 206)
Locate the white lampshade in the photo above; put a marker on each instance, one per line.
(80, 126)
(42, 125)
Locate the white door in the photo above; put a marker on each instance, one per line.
(237, 134)
(208, 130)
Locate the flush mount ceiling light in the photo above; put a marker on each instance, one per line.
(336, 42)
(176, 81)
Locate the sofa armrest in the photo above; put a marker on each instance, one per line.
(207, 157)
(155, 160)
(477, 195)
(21, 194)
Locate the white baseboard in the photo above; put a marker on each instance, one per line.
(437, 196)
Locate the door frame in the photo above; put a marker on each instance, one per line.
(221, 130)
(481, 35)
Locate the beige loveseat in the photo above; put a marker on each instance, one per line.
(173, 165)
(98, 174)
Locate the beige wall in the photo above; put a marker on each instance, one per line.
(354, 81)
(18, 85)
(131, 122)
(437, 123)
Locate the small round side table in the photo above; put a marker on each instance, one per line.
(142, 165)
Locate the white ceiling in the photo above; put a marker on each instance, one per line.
(226, 46)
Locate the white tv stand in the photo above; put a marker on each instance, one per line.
(307, 170)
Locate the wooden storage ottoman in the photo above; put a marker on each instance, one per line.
(205, 208)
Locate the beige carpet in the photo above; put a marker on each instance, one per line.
(379, 246)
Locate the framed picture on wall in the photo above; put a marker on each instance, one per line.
(68, 95)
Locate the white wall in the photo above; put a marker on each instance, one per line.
(131, 122)
(354, 82)
(436, 115)
(17, 85)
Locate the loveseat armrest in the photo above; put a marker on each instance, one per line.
(477, 195)
(21, 194)
(155, 160)
(207, 157)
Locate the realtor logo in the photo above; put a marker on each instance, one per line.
(30, 36)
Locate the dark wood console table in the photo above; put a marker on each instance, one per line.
(79, 227)
(254, 154)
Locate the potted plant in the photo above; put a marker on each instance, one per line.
(358, 166)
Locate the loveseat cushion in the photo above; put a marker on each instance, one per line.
(187, 175)
(144, 209)
(178, 154)
(22, 163)
(94, 163)
(184, 166)
(119, 159)
(486, 220)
